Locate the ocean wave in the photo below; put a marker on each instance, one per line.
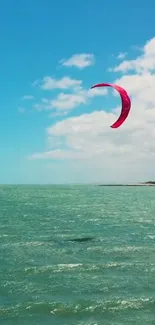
(27, 243)
(82, 307)
(121, 249)
(82, 267)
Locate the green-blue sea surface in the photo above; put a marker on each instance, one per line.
(46, 278)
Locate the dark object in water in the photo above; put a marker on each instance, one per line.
(80, 240)
(73, 240)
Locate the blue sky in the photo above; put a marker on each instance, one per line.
(37, 38)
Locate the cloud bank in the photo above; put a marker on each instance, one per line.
(86, 143)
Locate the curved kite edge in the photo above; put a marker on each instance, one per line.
(113, 126)
(122, 93)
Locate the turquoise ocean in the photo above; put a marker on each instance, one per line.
(46, 278)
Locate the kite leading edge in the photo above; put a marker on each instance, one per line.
(126, 103)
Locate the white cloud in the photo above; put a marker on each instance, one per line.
(121, 55)
(143, 63)
(65, 102)
(49, 83)
(80, 61)
(105, 155)
(28, 97)
(70, 101)
(36, 83)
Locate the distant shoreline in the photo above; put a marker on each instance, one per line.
(150, 183)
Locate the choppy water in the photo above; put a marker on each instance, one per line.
(46, 279)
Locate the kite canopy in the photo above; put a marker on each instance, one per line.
(126, 103)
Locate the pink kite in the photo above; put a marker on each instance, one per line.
(126, 103)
